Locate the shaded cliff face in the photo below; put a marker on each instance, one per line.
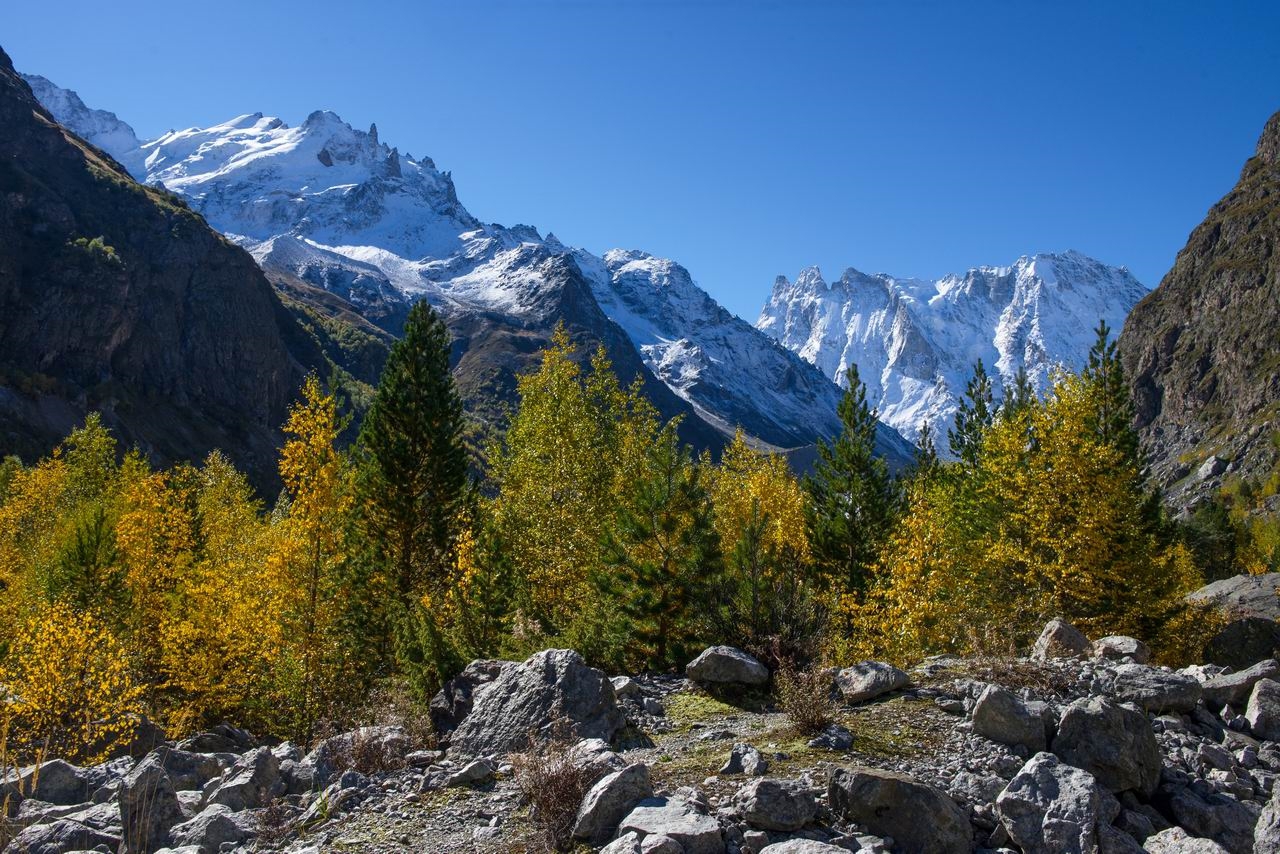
(116, 297)
(1203, 350)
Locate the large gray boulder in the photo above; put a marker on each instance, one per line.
(1052, 808)
(889, 804)
(675, 819)
(1003, 717)
(1222, 818)
(55, 782)
(1252, 606)
(1121, 647)
(553, 690)
(64, 835)
(1263, 711)
(1233, 689)
(1113, 743)
(803, 846)
(254, 781)
(1266, 833)
(1175, 840)
(1243, 595)
(149, 807)
(188, 771)
(1060, 639)
(1156, 690)
(726, 665)
(214, 827)
(770, 804)
(868, 680)
(453, 702)
(609, 801)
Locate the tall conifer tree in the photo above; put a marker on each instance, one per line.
(853, 498)
(973, 416)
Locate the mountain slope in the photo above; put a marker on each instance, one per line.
(1201, 349)
(915, 341)
(116, 297)
(338, 209)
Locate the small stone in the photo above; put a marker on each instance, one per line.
(727, 665)
(868, 680)
(1121, 646)
(745, 759)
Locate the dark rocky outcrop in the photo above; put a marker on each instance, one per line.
(116, 297)
(1200, 350)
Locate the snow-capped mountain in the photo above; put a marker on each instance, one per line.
(340, 209)
(99, 127)
(915, 341)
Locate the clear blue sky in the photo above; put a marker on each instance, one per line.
(744, 139)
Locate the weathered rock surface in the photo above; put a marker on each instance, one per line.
(1001, 716)
(677, 819)
(770, 804)
(869, 680)
(609, 801)
(1113, 743)
(890, 804)
(1060, 639)
(149, 807)
(1122, 646)
(745, 759)
(1053, 808)
(1263, 711)
(452, 702)
(215, 826)
(1156, 690)
(726, 665)
(1175, 840)
(553, 689)
(1233, 689)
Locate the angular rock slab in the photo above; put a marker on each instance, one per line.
(1263, 711)
(1233, 689)
(726, 665)
(1121, 646)
(1156, 690)
(551, 690)
(1003, 717)
(775, 805)
(1050, 807)
(868, 680)
(1175, 840)
(889, 804)
(1114, 743)
(674, 818)
(610, 801)
(1060, 639)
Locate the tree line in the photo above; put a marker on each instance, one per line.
(179, 594)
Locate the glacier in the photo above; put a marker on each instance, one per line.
(915, 341)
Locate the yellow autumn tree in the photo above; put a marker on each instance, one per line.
(155, 538)
(67, 687)
(572, 444)
(1049, 518)
(307, 555)
(219, 643)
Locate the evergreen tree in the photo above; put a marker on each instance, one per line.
(925, 464)
(1020, 395)
(414, 472)
(853, 500)
(1114, 420)
(662, 554)
(973, 416)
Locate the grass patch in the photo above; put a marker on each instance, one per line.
(691, 707)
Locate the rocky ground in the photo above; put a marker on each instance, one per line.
(1080, 747)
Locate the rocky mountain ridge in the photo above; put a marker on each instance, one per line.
(117, 298)
(1201, 348)
(915, 341)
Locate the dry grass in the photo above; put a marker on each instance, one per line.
(806, 698)
(554, 786)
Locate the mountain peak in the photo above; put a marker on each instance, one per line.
(915, 341)
(99, 127)
(1269, 143)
